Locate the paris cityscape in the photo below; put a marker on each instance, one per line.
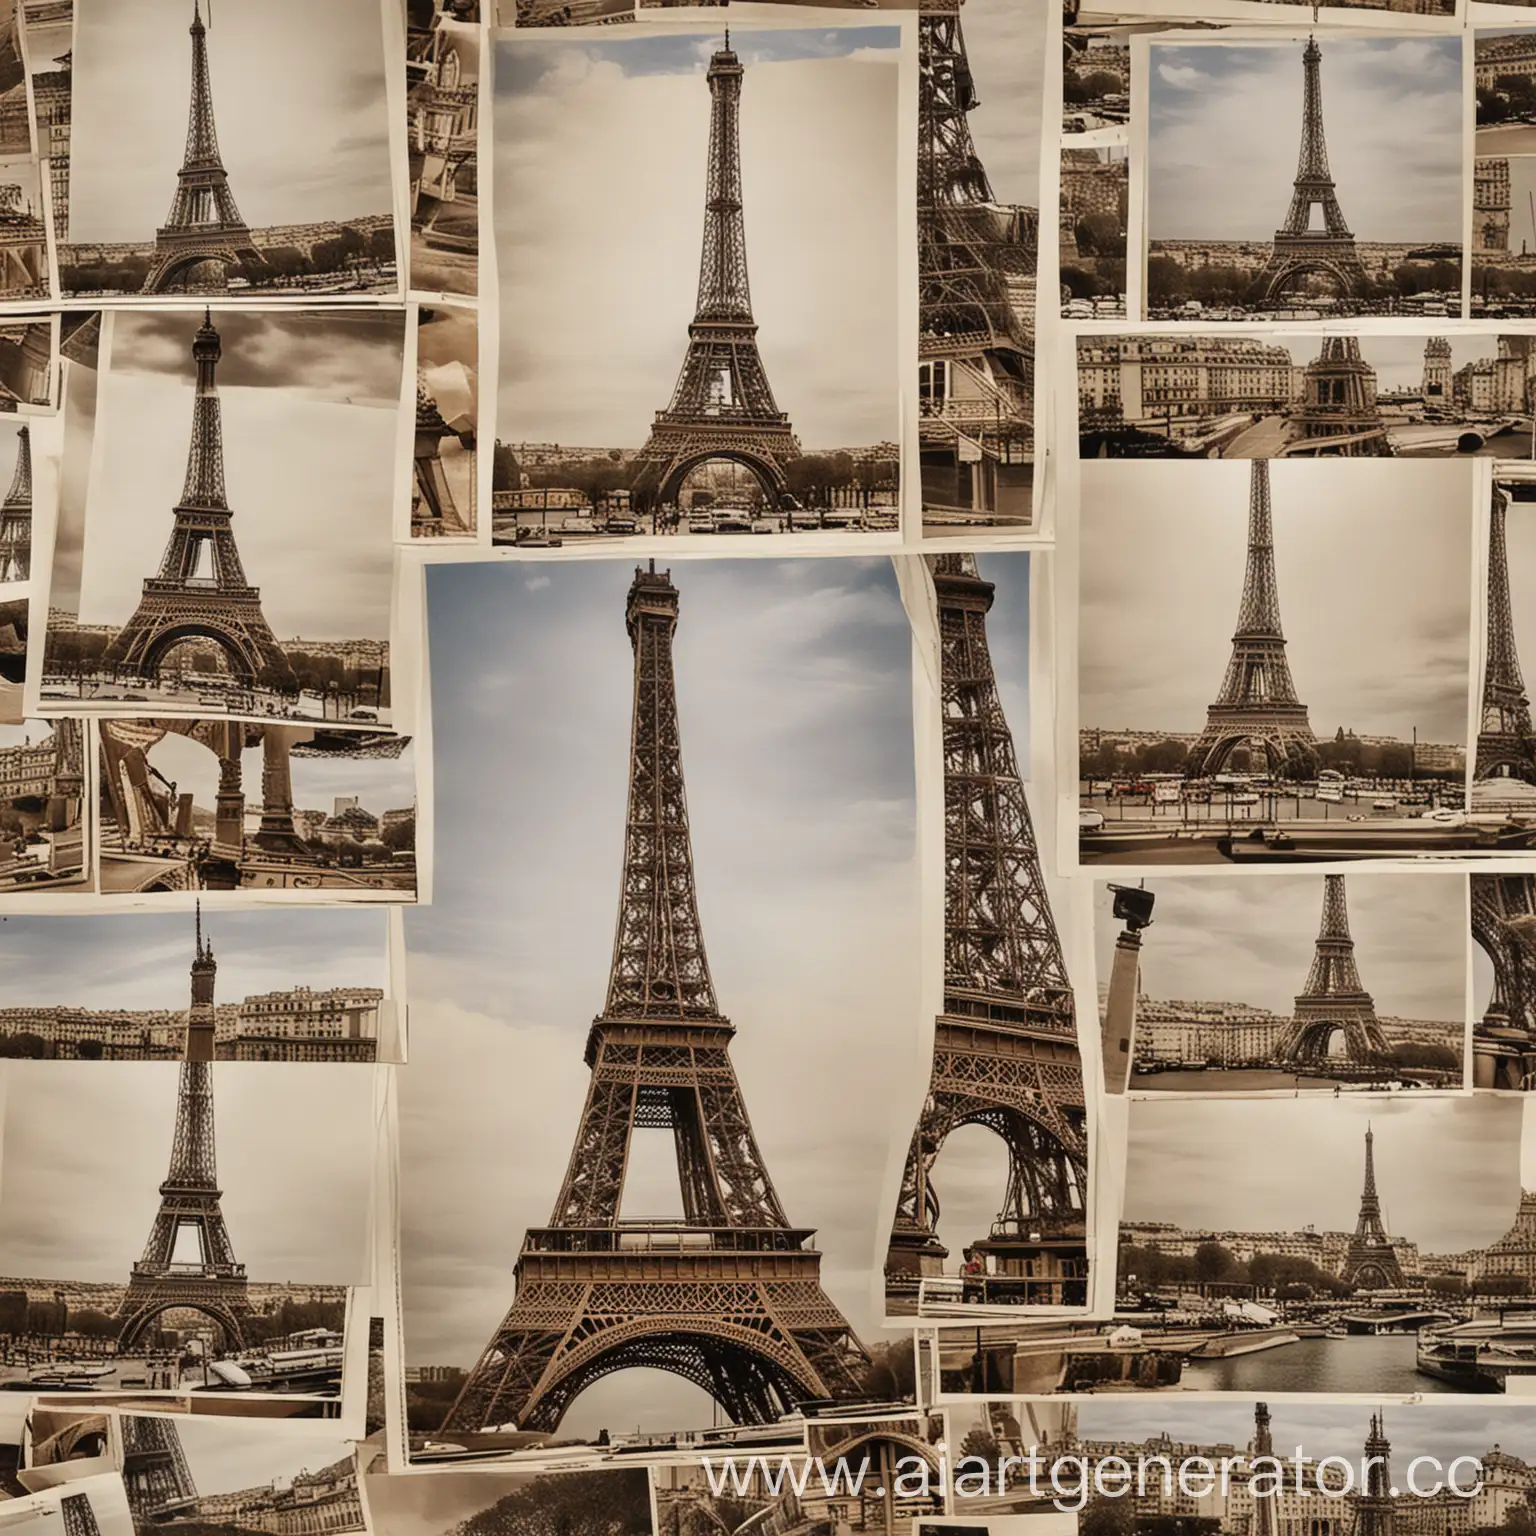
(1368, 222)
(1260, 782)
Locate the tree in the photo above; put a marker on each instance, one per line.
(505, 475)
(1214, 1262)
(1446, 1285)
(1100, 234)
(13, 1312)
(980, 1443)
(400, 835)
(1107, 1517)
(90, 1323)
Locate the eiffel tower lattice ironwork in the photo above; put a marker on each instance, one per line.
(1376, 1504)
(723, 405)
(1370, 1263)
(1506, 746)
(1504, 924)
(16, 515)
(1257, 702)
(200, 590)
(1263, 1445)
(1005, 1051)
(1338, 415)
(1333, 998)
(79, 1516)
(188, 1260)
(433, 509)
(1300, 250)
(730, 1296)
(156, 1476)
(972, 343)
(203, 234)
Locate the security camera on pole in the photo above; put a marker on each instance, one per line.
(1133, 907)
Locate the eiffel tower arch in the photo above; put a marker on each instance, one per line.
(1005, 1052)
(1504, 926)
(1299, 250)
(1333, 1001)
(730, 1297)
(1506, 744)
(722, 407)
(189, 1261)
(200, 591)
(1257, 702)
(203, 235)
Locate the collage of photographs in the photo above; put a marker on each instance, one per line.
(1142, 406)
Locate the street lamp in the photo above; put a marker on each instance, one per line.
(1133, 907)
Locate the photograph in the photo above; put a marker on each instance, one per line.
(442, 84)
(16, 509)
(728, 1114)
(1367, 220)
(48, 30)
(1504, 237)
(1211, 731)
(775, 408)
(1290, 984)
(281, 428)
(445, 483)
(28, 369)
(980, 94)
(89, 1506)
(1161, 396)
(13, 661)
(297, 986)
(43, 813)
(1287, 1458)
(259, 163)
(1095, 200)
(1096, 79)
(1504, 758)
(1504, 982)
(993, 1201)
(79, 1309)
(586, 1503)
(23, 239)
(335, 816)
(1504, 74)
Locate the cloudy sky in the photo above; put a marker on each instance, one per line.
(794, 692)
(141, 960)
(600, 136)
(432, 1506)
(298, 97)
(224, 1455)
(1378, 656)
(1522, 183)
(1252, 941)
(79, 407)
(1391, 115)
(380, 783)
(309, 403)
(1437, 1427)
(295, 1161)
(1447, 1169)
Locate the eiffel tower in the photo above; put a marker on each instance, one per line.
(972, 345)
(1263, 1445)
(433, 510)
(730, 1297)
(1338, 415)
(156, 1476)
(1258, 700)
(723, 405)
(1506, 745)
(203, 234)
(1005, 1052)
(79, 1516)
(1370, 1263)
(1299, 250)
(1376, 1504)
(16, 515)
(1504, 924)
(211, 1282)
(200, 589)
(1333, 998)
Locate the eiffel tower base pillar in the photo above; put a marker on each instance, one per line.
(914, 1256)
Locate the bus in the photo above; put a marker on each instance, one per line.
(1330, 785)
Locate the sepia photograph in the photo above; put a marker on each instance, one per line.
(13, 660)
(23, 238)
(1212, 730)
(749, 1127)
(1283, 397)
(1504, 73)
(442, 87)
(1290, 984)
(28, 365)
(259, 163)
(586, 1503)
(445, 484)
(992, 1208)
(1095, 203)
(753, 386)
(43, 815)
(1504, 758)
(87, 1506)
(131, 1264)
(280, 429)
(1504, 982)
(296, 986)
(1096, 79)
(1365, 220)
(334, 816)
(1504, 237)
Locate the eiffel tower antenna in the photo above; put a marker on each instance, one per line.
(722, 406)
(1005, 1051)
(1506, 747)
(1257, 701)
(733, 1301)
(1333, 999)
(200, 590)
(1300, 251)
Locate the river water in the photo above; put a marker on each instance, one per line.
(1381, 1364)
